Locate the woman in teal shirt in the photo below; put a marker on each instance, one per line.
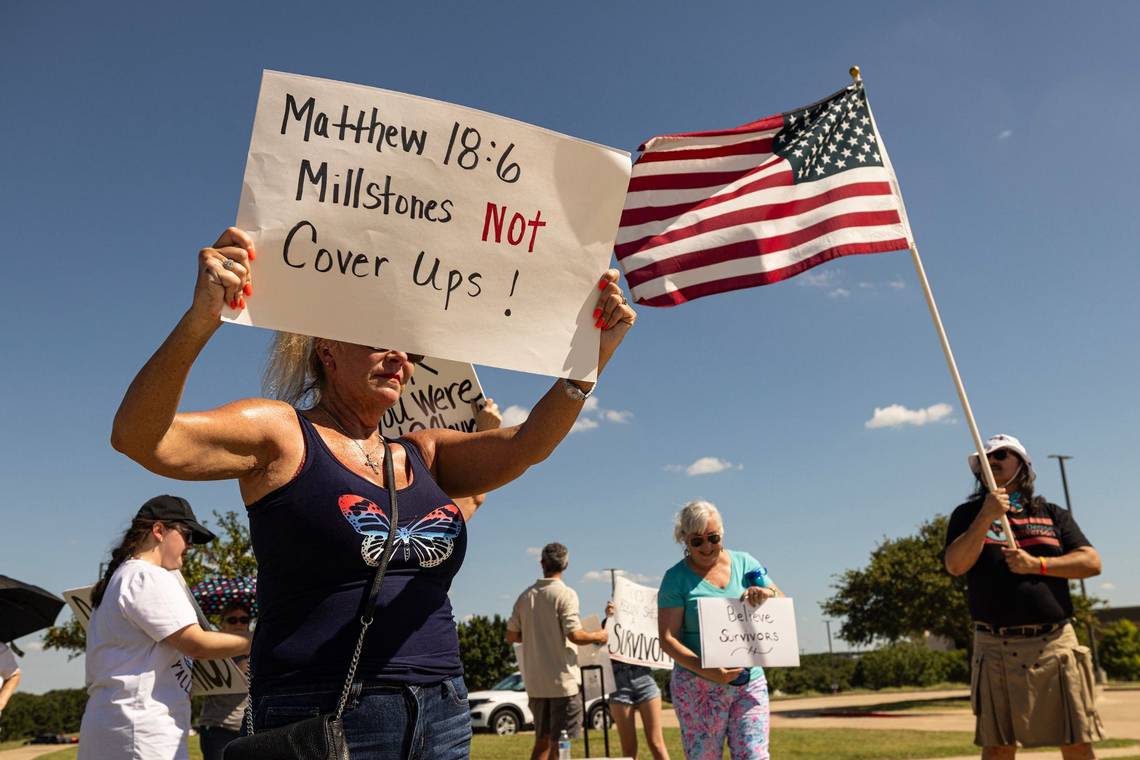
(712, 704)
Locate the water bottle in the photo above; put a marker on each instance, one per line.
(564, 746)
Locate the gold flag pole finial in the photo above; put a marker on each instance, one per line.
(854, 72)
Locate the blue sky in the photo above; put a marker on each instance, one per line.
(1011, 126)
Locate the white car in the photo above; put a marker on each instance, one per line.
(504, 708)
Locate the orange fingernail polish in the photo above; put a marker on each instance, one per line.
(241, 303)
(233, 304)
(252, 255)
(248, 289)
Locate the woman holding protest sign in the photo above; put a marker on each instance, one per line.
(636, 692)
(310, 468)
(712, 704)
(142, 629)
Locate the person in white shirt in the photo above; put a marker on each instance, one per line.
(141, 634)
(9, 675)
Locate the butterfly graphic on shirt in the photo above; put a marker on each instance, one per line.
(431, 538)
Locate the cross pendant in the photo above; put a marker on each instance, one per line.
(372, 463)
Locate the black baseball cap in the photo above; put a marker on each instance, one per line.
(167, 508)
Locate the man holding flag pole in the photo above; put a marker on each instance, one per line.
(712, 212)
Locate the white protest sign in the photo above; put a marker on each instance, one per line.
(393, 220)
(439, 395)
(734, 634)
(595, 655)
(208, 676)
(633, 630)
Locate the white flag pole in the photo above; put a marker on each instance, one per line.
(983, 462)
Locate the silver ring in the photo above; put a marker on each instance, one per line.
(227, 263)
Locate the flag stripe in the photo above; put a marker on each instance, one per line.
(884, 238)
(688, 180)
(763, 145)
(751, 246)
(690, 225)
(762, 229)
(665, 205)
(711, 137)
(753, 193)
(710, 286)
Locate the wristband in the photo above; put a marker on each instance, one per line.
(1044, 566)
(576, 393)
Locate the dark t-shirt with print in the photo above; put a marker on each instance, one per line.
(1000, 597)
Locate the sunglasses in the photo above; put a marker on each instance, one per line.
(238, 620)
(412, 358)
(1000, 455)
(186, 533)
(698, 541)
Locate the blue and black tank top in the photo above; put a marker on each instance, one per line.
(318, 540)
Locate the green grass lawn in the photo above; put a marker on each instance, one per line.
(787, 743)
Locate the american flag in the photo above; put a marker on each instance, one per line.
(710, 212)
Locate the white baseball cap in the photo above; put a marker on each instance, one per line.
(1002, 441)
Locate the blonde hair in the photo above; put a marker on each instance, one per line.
(693, 518)
(294, 373)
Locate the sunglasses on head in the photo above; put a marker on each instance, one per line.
(999, 455)
(698, 541)
(238, 619)
(412, 358)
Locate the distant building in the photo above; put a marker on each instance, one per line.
(1109, 615)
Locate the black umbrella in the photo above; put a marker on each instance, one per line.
(25, 608)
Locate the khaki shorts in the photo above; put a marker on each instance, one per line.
(1033, 691)
(553, 715)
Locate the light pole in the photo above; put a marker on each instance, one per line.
(831, 658)
(1069, 506)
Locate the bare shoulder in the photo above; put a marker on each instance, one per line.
(426, 441)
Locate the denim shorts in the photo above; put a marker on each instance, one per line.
(633, 684)
(388, 722)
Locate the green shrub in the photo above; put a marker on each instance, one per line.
(907, 663)
(54, 712)
(1120, 651)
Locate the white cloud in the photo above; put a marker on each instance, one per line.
(704, 466)
(467, 618)
(593, 415)
(599, 576)
(839, 293)
(515, 415)
(584, 423)
(818, 278)
(1005, 134)
(896, 284)
(534, 551)
(897, 415)
(1108, 586)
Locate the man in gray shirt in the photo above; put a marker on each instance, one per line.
(545, 621)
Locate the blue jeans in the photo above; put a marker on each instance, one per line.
(389, 722)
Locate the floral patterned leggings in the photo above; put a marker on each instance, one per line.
(708, 712)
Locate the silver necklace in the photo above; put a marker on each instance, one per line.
(371, 463)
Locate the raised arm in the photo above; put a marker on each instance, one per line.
(223, 443)
(472, 463)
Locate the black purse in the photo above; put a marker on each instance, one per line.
(322, 737)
